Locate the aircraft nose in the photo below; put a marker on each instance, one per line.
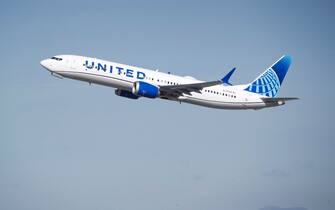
(44, 63)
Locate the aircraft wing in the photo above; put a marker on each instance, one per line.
(178, 90)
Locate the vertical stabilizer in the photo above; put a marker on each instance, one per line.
(269, 82)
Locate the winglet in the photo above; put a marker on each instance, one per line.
(226, 78)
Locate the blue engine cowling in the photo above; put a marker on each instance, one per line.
(126, 94)
(145, 89)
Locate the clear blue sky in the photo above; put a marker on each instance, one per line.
(67, 145)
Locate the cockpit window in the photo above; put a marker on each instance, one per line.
(57, 59)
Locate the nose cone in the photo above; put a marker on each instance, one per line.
(44, 63)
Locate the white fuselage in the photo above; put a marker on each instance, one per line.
(123, 76)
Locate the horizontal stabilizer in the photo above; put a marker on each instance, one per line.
(279, 101)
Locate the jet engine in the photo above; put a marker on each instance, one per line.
(145, 89)
(127, 94)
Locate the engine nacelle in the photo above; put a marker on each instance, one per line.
(145, 89)
(126, 94)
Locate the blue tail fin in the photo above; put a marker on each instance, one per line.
(269, 82)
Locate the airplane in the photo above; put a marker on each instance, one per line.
(135, 82)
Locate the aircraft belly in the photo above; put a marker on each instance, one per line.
(222, 104)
